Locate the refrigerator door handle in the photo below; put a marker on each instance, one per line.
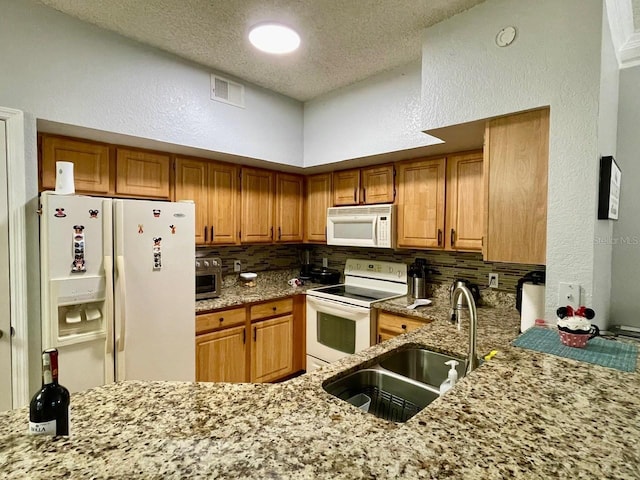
(123, 311)
(108, 272)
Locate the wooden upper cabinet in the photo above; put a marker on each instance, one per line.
(213, 188)
(377, 184)
(223, 203)
(367, 186)
(257, 206)
(319, 198)
(192, 184)
(142, 174)
(90, 163)
(465, 202)
(516, 158)
(346, 187)
(289, 203)
(421, 197)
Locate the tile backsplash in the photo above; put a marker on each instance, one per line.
(448, 265)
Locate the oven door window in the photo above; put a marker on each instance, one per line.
(336, 332)
(205, 283)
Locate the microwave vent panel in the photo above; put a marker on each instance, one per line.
(227, 91)
(373, 210)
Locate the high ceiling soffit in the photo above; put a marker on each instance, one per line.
(343, 41)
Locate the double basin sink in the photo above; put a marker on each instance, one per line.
(397, 387)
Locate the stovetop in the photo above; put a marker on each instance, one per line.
(356, 293)
(366, 281)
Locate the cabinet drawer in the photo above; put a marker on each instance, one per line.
(222, 319)
(398, 325)
(269, 309)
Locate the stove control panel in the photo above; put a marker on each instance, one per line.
(395, 272)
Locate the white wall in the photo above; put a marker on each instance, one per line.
(625, 300)
(555, 60)
(607, 138)
(60, 69)
(377, 115)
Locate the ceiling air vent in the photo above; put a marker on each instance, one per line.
(226, 91)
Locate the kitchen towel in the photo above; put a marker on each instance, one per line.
(532, 305)
(608, 353)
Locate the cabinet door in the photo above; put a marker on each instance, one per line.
(143, 174)
(515, 176)
(90, 164)
(257, 206)
(377, 184)
(221, 356)
(421, 190)
(346, 187)
(191, 184)
(289, 201)
(272, 356)
(317, 201)
(223, 204)
(465, 202)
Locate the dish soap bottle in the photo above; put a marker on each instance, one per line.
(452, 377)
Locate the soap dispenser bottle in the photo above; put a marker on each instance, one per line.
(452, 377)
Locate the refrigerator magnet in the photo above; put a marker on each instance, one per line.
(157, 253)
(60, 213)
(140, 228)
(93, 213)
(156, 212)
(77, 243)
(173, 229)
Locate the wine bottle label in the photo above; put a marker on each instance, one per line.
(43, 428)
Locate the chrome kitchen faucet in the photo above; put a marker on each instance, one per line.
(472, 358)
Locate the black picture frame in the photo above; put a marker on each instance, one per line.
(609, 190)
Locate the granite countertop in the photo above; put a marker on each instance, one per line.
(522, 414)
(270, 285)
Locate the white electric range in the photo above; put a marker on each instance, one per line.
(339, 320)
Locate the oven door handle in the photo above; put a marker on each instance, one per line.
(336, 308)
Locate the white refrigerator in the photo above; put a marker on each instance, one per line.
(118, 288)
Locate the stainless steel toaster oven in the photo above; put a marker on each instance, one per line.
(208, 277)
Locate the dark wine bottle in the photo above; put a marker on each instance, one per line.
(49, 407)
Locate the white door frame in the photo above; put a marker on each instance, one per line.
(16, 193)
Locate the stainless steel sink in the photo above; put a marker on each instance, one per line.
(390, 396)
(422, 365)
(399, 386)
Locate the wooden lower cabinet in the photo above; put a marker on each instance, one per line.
(272, 349)
(259, 342)
(222, 356)
(390, 325)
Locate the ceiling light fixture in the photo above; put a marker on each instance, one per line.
(274, 38)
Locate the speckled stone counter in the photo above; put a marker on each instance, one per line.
(523, 415)
(269, 286)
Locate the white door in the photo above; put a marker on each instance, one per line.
(5, 313)
(154, 290)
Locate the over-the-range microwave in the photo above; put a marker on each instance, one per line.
(361, 226)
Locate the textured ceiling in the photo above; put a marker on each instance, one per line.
(343, 41)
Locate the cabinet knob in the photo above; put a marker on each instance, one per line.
(404, 327)
(221, 319)
(274, 309)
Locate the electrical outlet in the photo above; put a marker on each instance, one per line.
(237, 266)
(325, 262)
(569, 294)
(493, 280)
